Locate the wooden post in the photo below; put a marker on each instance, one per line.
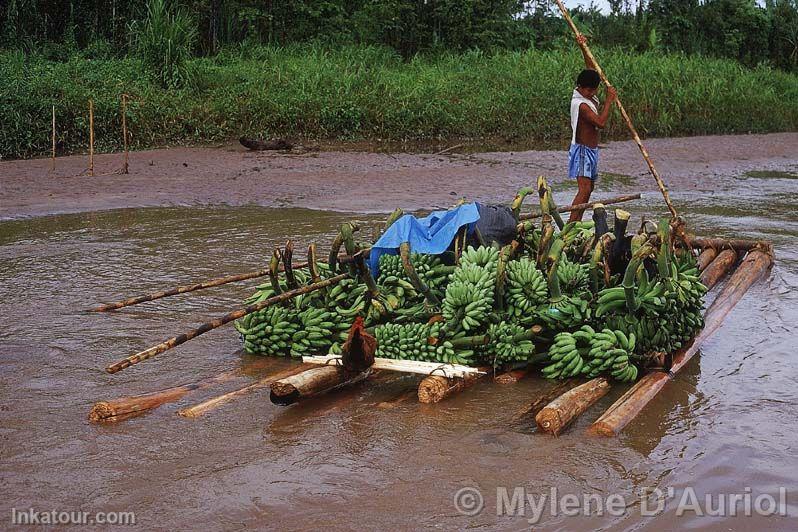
(209, 326)
(124, 133)
(625, 409)
(52, 163)
(91, 138)
(705, 258)
(183, 289)
(556, 415)
(662, 188)
(314, 381)
(718, 267)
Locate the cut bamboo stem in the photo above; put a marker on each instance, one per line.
(583, 45)
(312, 382)
(127, 407)
(719, 267)
(215, 402)
(209, 326)
(559, 413)
(91, 138)
(705, 258)
(625, 409)
(184, 289)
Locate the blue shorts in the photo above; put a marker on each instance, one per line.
(583, 162)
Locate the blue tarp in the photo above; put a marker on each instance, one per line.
(431, 234)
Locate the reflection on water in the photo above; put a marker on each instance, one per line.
(727, 422)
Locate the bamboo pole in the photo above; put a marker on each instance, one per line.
(705, 258)
(625, 409)
(719, 267)
(208, 326)
(91, 138)
(215, 402)
(52, 163)
(583, 206)
(583, 45)
(125, 165)
(184, 289)
(559, 413)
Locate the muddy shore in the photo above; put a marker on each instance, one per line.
(367, 182)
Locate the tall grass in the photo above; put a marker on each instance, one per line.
(165, 40)
(371, 93)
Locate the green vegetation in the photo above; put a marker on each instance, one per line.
(372, 93)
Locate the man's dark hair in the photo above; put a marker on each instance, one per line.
(588, 79)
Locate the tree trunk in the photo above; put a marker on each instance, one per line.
(314, 381)
(555, 416)
(705, 258)
(434, 388)
(719, 267)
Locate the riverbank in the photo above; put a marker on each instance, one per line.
(354, 93)
(372, 182)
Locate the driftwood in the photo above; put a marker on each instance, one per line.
(719, 267)
(214, 402)
(556, 415)
(263, 145)
(705, 258)
(638, 396)
(184, 289)
(127, 407)
(312, 382)
(209, 326)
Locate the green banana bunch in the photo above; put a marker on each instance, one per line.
(565, 356)
(508, 344)
(268, 331)
(485, 256)
(318, 329)
(574, 277)
(526, 288)
(611, 351)
(414, 341)
(650, 296)
(429, 269)
(468, 306)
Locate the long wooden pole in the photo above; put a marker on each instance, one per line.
(124, 133)
(52, 164)
(184, 289)
(629, 124)
(218, 322)
(91, 138)
(582, 206)
(625, 409)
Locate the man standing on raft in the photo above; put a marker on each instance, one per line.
(586, 120)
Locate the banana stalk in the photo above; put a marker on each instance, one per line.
(505, 256)
(519, 200)
(274, 265)
(547, 233)
(313, 266)
(415, 280)
(630, 275)
(547, 205)
(600, 220)
(553, 260)
(288, 255)
(663, 257)
(599, 255)
(395, 215)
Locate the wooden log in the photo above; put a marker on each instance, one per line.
(263, 145)
(312, 382)
(127, 407)
(537, 405)
(638, 396)
(737, 244)
(559, 413)
(583, 206)
(719, 267)
(399, 399)
(435, 388)
(512, 376)
(218, 322)
(705, 258)
(215, 402)
(184, 289)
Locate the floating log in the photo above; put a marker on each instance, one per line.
(705, 258)
(512, 376)
(556, 415)
(184, 289)
(127, 407)
(434, 388)
(209, 326)
(737, 244)
(399, 399)
(264, 145)
(537, 405)
(406, 366)
(314, 381)
(214, 402)
(583, 206)
(638, 396)
(719, 267)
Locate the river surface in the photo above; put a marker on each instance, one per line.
(726, 425)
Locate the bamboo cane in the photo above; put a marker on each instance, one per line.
(91, 138)
(583, 45)
(227, 318)
(52, 164)
(184, 289)
(215, 402)
(124, 133)
(625, 409)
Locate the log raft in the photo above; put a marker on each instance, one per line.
(625, 409)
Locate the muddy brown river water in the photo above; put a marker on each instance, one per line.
(728, 424)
